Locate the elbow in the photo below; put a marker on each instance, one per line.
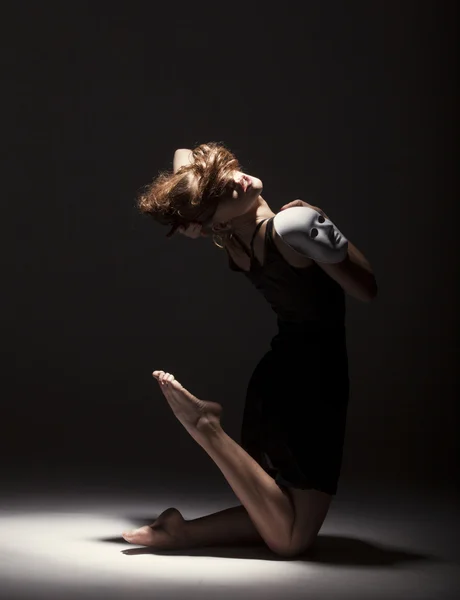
(370, 292)
(366, 291)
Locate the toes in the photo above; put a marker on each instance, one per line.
(166, 378)
(160, 376)
(128, 535)
(163, 377)
(176, 385)
(140, 536)
(167, 382)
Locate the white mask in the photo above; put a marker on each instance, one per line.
(309, 233)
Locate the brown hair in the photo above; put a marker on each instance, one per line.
(191, 194)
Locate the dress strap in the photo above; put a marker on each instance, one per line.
(254, 236)
(240, 244)
(269, 231)
(243, 247)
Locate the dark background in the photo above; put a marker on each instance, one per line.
(348, 105)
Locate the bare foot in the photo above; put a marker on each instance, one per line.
(197, 416)
(165, 533)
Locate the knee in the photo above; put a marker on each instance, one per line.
(290, 550)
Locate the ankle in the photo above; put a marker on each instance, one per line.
(192, 535)
(209, 426)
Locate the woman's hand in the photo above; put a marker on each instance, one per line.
(192, 230)
(303, 203)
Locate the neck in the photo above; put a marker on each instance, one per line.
(244, 225)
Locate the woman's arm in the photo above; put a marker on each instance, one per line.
(354, 274)
(182, 157)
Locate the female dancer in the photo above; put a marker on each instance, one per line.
(285, 472)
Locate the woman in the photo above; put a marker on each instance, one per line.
(286, 470)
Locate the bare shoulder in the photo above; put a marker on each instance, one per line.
(289, 254)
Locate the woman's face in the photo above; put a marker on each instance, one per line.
(244, 190)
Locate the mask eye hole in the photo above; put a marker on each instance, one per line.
(321, 219)
(313, 232)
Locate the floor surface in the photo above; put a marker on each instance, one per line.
(63, 540)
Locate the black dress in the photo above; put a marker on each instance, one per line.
(297, 398)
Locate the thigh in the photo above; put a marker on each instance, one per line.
(315, 436)
(272, 406)
(258, 411)
(308, 421)
(294, 418)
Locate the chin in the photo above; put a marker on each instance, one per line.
(249, 205)
(257, 184)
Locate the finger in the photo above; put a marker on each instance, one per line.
(157, 374)
(191, 232)
(291, 204)
(196, 232)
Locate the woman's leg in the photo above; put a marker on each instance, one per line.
(170, 530)
(230, 526)
(270, 509)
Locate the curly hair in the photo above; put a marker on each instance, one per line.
(193, 192)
